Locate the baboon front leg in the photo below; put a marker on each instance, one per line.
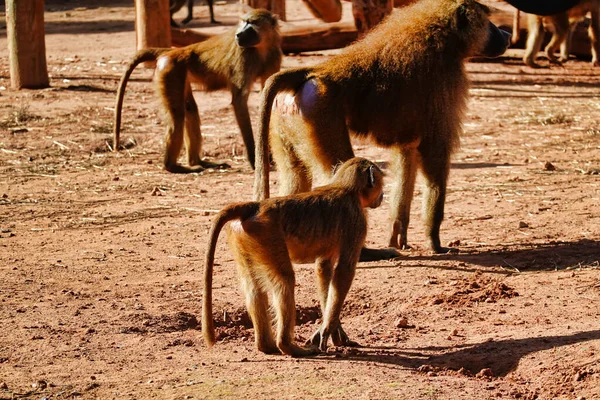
(190, 12)
(535, 36)
(340, 283)
(436, 167)
(240, 108)
(405, 163)
(324, 270)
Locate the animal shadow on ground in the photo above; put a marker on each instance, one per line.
(500, 356)
(519, 257)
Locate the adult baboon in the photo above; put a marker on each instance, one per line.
(233, 61)
(561, 25)
(327, 226)
(404, 86)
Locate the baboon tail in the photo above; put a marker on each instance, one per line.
(286, 80)
(141, 56)
(229, 213)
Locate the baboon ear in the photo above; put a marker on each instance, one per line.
(462, 17)
(371, 179)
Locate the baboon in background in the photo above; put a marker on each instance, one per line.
(175, 5)
(561, 25)
(327, 226)
(233, 61)
(403, 85)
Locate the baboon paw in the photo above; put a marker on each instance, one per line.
(445, 250)
(269, 349)
(208, 164)
(340, 338)
(367, 254)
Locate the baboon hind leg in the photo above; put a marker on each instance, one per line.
(405, 164)
(436, 167)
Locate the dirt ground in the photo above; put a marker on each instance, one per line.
(101, 253)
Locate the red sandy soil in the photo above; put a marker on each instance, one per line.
(101, 253)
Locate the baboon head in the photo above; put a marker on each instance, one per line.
(252, 24)
(476, 35)
(363, 176)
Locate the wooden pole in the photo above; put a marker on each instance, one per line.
(275, 6)
(152, 24)
(26, 44)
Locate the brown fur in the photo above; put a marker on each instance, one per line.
(561, 25)
(403, 86)
(327, 225)
(217, 63)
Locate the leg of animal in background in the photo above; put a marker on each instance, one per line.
(516, 31)
(535, 36)
(190, 11)
(594, 34)
(193, 136)
(560, 34)
(242, 116)
(405, 164)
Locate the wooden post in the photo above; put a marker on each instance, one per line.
(275, 6)
(26, 44)
(368, 13)
(152, 24)
(325, 10)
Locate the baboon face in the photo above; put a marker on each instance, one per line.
(248, 31)
(476, 34)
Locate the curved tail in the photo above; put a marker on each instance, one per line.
(229, 213)
(141, 56)
(286, 80)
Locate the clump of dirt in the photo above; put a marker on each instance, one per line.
(146, 323)
(476, 290)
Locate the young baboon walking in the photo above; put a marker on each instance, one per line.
(403, 85)
(327, 225)
(561, 25)
(233, 61)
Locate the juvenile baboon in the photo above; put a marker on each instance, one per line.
(561, 25)
(404, 86)
(327, 226)
(233, 61)
(175, 5)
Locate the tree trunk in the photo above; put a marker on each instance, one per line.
(26, 44)
(152, 24)
(368, 13)
(275, 6)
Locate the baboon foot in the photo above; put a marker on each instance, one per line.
(186, 20)
(338, 336)
(298, 351)
(268, 348)
(180, 169)
(444, 250)
(367, 254)
(208, 164)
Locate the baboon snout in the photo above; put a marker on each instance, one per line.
(497, 43)
(247, 36)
